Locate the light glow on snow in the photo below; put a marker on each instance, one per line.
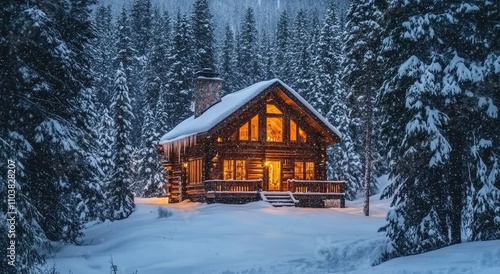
(257, 238)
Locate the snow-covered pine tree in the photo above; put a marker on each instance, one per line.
(475, 70)
(228, 61)
(45, 69)
(102, 56)
(283, 59)
(326, 62)
(363, 76)
(268, 54)
(29, 238)
(141, 36)
(248, 55)
(301, 59)
(124, 51)
(150, 177)
(120, 198)
(105, 141)
(180, 75)
(140, 26)
(203, 36)
(158, 65)
(15, 149)
(60, 130)
(88, 191)
(315, 31)
(149, 181)
(439, 105)
(328, 94)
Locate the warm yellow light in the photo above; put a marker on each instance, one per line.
(219, 139)
(185, 165)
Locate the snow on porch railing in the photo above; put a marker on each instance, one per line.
(233, 185)
(316, 186)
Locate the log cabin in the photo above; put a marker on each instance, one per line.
(264, 142)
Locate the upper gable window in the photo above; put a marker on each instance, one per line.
(250, 130)
(274, 129)
(272, 109)
(302, 136)
(254, 128)
(297, 133)
(293, 131)
(244, 132)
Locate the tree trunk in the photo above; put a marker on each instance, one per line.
(456, 182)
(368, 160)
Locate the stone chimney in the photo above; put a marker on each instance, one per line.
(207, 90)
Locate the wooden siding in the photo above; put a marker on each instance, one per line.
(214, 147)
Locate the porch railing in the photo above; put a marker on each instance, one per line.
(233, 185)
(313, 186)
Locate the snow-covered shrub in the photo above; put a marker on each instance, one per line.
(164, 212)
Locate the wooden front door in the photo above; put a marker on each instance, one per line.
(274, 175)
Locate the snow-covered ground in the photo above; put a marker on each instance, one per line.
(256, 238)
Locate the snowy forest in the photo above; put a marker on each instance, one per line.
(88, 89)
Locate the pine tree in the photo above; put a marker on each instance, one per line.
(104, 51)
(203, 36)
(283, 59)
(249, 67)
(439, 105)
(43, 129)
(125, 51)
(149, 180)
(327, 62)
(268, 56)
(228, 61)
(180, 75)
(105, 140)
(302, 80)
(363, 75)
(481, 56)
(120, 198)
(140, 26)
(158, 65)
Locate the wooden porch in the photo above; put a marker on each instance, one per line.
(305, 193)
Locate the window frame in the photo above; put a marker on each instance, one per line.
(305, 172)
(250, 125)
(232, 166)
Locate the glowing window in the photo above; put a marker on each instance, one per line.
(302, 136)
(244, 132)
(272, 109)
(309, 170)
(293, 131)
(235, 170)
(299, 170)
(254, 128)
(240, 170)
(304, 170)
(228, 169)
(274, 129)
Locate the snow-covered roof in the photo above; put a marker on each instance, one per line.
(189, 128)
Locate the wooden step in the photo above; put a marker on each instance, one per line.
(279, 199)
